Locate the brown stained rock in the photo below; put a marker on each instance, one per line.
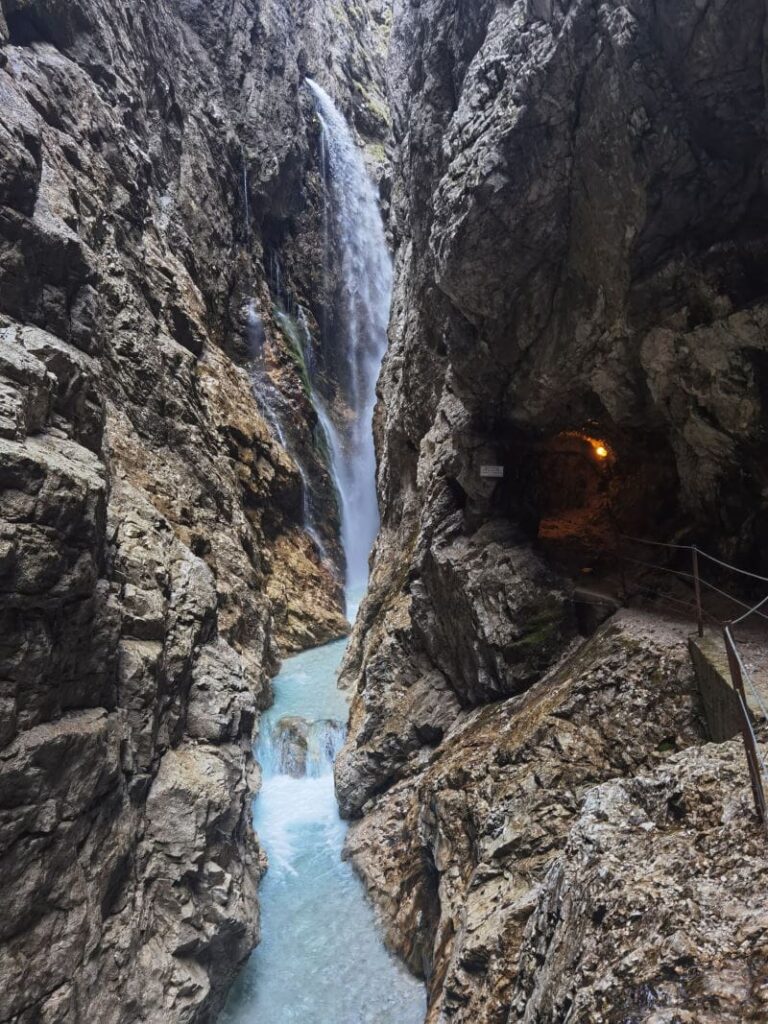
(486, 618)
(298, 588)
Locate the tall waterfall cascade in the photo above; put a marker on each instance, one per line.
(354, 236)
(354, 242)
(321, 959)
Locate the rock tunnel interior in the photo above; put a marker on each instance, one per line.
(26, 28)
(591, 497)
(579, 491)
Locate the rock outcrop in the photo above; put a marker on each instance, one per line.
(153, 557)
(580, 219)
(454, 854)
(657, 909)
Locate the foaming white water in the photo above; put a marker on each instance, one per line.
(321, 959)
(287, 806)
(354, 228)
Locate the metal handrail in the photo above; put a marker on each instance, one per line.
(695, 575)
(758, 771)
(693, 547)
(733, 568)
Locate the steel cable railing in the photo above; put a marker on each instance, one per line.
(741, 677)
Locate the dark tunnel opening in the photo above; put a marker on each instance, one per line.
(577, 492)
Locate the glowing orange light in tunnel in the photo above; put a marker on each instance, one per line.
(601, 451)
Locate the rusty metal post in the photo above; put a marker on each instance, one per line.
(697, 586)
(746, 729)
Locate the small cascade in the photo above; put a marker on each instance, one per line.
(354, 240)
(272, 406)
(267, 396)
(275, 280)
(301, 748)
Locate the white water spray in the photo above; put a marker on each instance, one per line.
(353, 226)
(321, 959)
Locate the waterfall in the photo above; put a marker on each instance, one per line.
(354, 242)
(354, 235)
(321, 959)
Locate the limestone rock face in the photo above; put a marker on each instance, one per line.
(657, 906)
(454, 854)
(579, 210)
(153, 558)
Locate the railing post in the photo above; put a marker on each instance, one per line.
(622, 570)
(697, 585)
(746, 727)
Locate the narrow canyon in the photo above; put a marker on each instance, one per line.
(383, 511)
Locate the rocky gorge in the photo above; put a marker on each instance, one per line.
(575, 195)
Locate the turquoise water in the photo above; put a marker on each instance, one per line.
(321, 959)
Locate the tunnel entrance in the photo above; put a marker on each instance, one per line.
(578, 492)
(575, 498)
(603, 507)
(24, 29)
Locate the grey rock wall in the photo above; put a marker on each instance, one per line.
(580, 212)
(655, 903)
(152, 561)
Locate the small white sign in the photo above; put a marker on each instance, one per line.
(492, 472)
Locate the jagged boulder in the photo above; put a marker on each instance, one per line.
(656, 909)
(454, 853)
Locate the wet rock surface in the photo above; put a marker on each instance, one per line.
(153, 561)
